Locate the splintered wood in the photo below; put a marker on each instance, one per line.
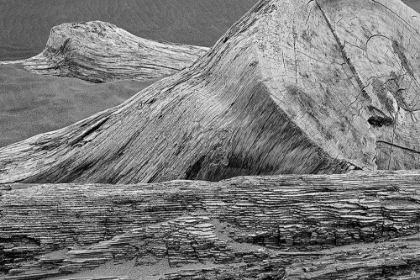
(299, 227)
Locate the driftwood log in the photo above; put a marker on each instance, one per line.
(351, 226)
(98, 52)
(293, 87)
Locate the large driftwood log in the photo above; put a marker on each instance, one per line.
(293, 87)
(97, 51)
(352, 226)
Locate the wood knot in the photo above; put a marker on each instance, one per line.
(378, 121)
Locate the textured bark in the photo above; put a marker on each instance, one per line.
(97, 51)
(352, 226)
(293, 87)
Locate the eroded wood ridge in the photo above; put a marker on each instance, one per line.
(295, 227)
(98, 52)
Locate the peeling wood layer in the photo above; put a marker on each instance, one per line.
(356, 225)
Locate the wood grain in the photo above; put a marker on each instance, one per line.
(352, 226)
(285, 90)
(99, 52)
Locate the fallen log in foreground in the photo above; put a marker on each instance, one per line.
(352, 226)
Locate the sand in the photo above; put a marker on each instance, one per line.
(32, 104)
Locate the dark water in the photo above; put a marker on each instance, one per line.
(25, 24)
(415, 4)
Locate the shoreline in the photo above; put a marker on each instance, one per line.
(8, 62)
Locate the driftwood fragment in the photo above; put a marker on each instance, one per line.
(98, 52)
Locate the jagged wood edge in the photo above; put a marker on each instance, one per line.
(316, 225)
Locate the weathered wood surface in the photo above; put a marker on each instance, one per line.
(293, 87)
(97, 51)
(351, 226)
